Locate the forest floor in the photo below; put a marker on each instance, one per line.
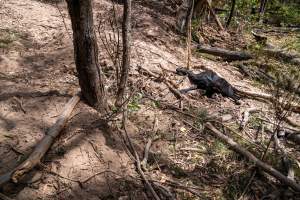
(38, 76)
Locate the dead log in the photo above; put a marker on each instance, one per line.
(267, 168)
(291, 57)
(224, 53)
(43, 146)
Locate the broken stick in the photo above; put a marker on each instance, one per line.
(267, 168)
(43, 146)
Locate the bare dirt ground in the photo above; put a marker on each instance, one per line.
(89, 161)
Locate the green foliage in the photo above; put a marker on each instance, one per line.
(7, 37)
(283, 13)
(202, 115)
(134, 104)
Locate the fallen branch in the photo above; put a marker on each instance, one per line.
(292, 57)
(227, 54)
(168, 83)
(148, 145)
(43, 146)
(214, 14)
(285, 160)
(137, 159)
(267, 168)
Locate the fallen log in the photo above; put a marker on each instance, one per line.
(224, 53)
(43, 146)
(291, 57)
(267, 168)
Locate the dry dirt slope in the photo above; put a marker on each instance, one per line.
(37, 77)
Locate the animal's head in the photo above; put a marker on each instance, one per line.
(182, 71)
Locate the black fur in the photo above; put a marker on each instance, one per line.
(210, 82)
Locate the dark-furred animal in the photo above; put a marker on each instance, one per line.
(210, 82)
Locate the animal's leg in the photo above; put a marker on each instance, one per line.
(184, 91)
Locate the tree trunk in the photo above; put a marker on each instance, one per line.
(262, 9)
(126, 35)
(86, 53)
(231, 13)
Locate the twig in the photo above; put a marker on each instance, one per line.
(267, 168)
(148, 145)
(43, 146)
(65, 24)
(138, 163)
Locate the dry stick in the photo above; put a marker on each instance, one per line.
(176, 93)
(137, 159)
(150, 139)
(43, 146)
(267, 168)
(62, 16)
(214, 14)
(286, 161)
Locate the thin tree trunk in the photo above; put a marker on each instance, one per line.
(231, 13)
(86, 53)
(126, 34)
(262, 10)
(189, 33)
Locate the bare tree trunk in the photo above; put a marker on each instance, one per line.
(86, 54)
(262, 10)
(126, 29)
(233, 2)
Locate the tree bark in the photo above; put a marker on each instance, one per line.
(231, 13)
(126, 34)
(227, 54)
(86, 53)
(262, 10)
